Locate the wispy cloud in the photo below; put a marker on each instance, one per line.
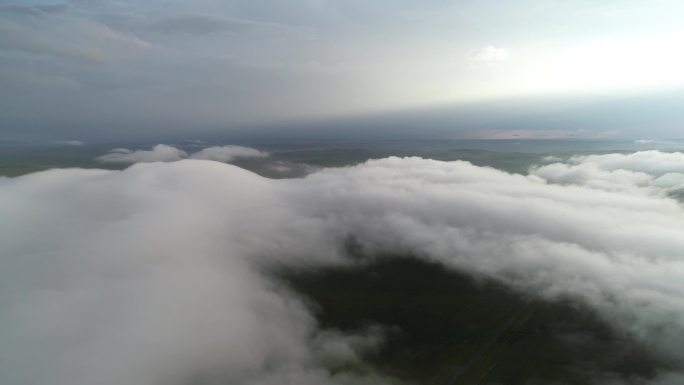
(70, 142)
(488, 56)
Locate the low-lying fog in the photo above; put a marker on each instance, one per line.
(155, 273)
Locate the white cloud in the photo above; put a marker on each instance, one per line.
(165, 153)
(159, 153)
(228, 153)
(154, 273)
(488, 56)
(645, 171)
(142, 281)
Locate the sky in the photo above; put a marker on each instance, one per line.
(79, 69)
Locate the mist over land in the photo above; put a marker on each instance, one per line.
(196, 271)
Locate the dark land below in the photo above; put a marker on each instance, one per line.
(443, 328)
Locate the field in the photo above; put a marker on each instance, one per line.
(445, 328)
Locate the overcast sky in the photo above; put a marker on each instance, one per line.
(90, 67)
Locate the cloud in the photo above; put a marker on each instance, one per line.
(155, 274)
(488, 56)
(526, 134)
(159, 153)
(70, 142)
(125, 65)
(33, 10)
(208, 24)
(647, 172)
(198, 25)
(617, 250)
(166, 153)
(62, 37)
(228, 153)
(162, 301)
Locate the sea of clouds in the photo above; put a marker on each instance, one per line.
(159, 273)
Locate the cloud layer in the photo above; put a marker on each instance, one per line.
(648, 171)
(154, 274)
(228, 153)
(166, 153)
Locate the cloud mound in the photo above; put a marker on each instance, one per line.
(228, 153)
(159, 153)
(166, 153)
(649, 171)
(150, 275)
(154, 274)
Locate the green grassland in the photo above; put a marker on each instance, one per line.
(17, 161)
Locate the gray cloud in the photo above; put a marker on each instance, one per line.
(154, 273)
(70, 142)
(34, 10)
(200, 25)
(64, 37)
(111, 70)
